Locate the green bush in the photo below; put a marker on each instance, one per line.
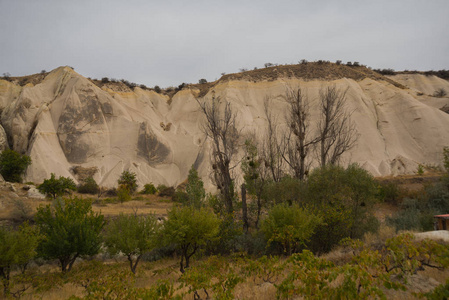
(89, 186)
(290, 226)
(165, 191)
(149, 189)
(13, 165)
(123, 194)
(344, 199)
(408, 218)
(57, 187)
(389, 192)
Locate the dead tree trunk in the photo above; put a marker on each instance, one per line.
(337, 132)
(220, 127)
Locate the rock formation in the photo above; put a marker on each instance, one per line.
(67, 121)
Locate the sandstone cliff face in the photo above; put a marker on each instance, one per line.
(66, 121)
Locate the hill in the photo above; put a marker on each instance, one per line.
(64, 120)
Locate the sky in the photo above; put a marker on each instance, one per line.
(169, 42)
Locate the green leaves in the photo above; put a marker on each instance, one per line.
(13, 165)
(132, 235)
(195, 189)
(57, 187)
(70, 229)
(290, 226)
(128, 181)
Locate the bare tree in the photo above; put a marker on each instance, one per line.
(220, 127)
(272, 150)
(337, 133)
(299, 140)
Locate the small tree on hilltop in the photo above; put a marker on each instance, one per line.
(70, 229)
(13, 165)
(57, 187)
(132, 236)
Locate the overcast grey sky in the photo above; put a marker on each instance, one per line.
(173, 41)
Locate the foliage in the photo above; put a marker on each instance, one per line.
(16, 248)
(89, 186)
(132, 236)
(215, 275)
(420, 170)
(70, 230)
(189, 229)
(128, 181)
(195, 189)
(287, 190)
(166, 191)
(57, 187)
(149, 189)
(202, 81)
(13, 165)
(123, 194)
(343, 198)
(389, 192)
(290, 226)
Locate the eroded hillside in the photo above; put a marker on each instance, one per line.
(64, 120)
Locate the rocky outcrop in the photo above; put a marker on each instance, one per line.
(67, 122)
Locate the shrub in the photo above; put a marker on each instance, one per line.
(389, 192)
(123, 194)
(202, 81)
(57, 187)
(149, 189)
(128, 181)
(408, 218)
(70, 229)
(289, 226)
(13, 165)
(157, 89)
(104, 80)
(440, 93)
(89, 186)
(343, 198)
(338, 62)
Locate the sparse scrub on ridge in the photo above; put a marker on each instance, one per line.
(440, 93)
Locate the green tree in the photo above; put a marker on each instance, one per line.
(13, 165)
(195, 189)
(189, 229)
(128, 180)
(70, 230)
(132, 236)
(290, 226)
(16, 248)
(57, 187)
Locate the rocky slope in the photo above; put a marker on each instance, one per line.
(65, 120)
